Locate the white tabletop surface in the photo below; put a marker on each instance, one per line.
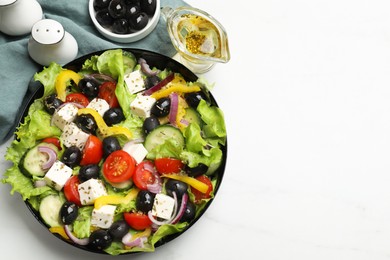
(306, 100)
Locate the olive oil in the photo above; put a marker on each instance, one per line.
(199, 36)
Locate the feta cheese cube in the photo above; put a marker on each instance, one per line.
(57, 175)
(73, 136)
(163, 206)
(103, 217)
(99, 105)
(90, 190)
(134, 81)
(137, 151)
(142, 105)
(64, 115)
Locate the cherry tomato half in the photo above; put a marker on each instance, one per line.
(199, 196)
(168, 165)
(107, 92)
(118, 167)
(77, 98)
(93, 151)
(53, 140)
(143, 175)
(71, 191)
(137, 220)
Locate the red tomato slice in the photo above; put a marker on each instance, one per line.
(107, 92)
(53, 140)
(93, 151)
(168, 165)
(199, 196)
(118, 167)
(71, 191)
(137, 221)
(143, 175)
(77, 98)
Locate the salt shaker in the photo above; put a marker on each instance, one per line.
(18, 16)
(49, 42)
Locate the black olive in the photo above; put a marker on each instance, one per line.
(139, 21)
(113, 115)
(71, 156)
(189, 213)
(118, 229)
(197, 170)
(51, 103)
(151, 81)
(132, 9)
(104, 18)
(150, 123)
(99, 4)
(148, 6)
(89, 171)
(176, 186)
(69, 212)
(110, 144)
(194, 98)
(144, 201)
(87, 123)
(161, 107)
(117, 9)
(121, 26)
(89, 87)
(100, 239)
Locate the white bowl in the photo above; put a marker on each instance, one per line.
(126, 38)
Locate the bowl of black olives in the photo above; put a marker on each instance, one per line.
(125, 21)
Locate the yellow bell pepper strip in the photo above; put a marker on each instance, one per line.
(196, 184)
(62, 82)
(60, 231)
(178, 88)
(104, 129)
(115, 199)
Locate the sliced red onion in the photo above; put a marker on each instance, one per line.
(159, 85)
(174, 97)
(76, 240)
(99, 77)
(156, 186)
(52, 156)
(182, 209)
(139, 241)
(146, 69)
(40, 183)
(184, 122)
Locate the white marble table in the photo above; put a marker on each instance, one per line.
(306, 99)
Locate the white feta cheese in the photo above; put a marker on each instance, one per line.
(142, 105)
(99, 105)
(103, 217)
(73, 136)
(57, 175)
(136, 150)
(90, 190)
(163, 206)
(134, 81)
(64, 115)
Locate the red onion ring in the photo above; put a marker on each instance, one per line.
(174, 108)
(182, 209)
(156, 186)
(139, 241)
(146, 69)
(76, 240)
(52, 156)
(159, 85)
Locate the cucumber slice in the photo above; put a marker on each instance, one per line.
(192, 116)
(31, 163)
(118, 186)
(50, 210)
(162, 133)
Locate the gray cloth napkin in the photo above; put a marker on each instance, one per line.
(17, 68)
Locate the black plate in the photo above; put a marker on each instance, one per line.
(154, 60)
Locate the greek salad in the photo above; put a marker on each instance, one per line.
(119, 155)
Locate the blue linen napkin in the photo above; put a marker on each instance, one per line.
(17, 68)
